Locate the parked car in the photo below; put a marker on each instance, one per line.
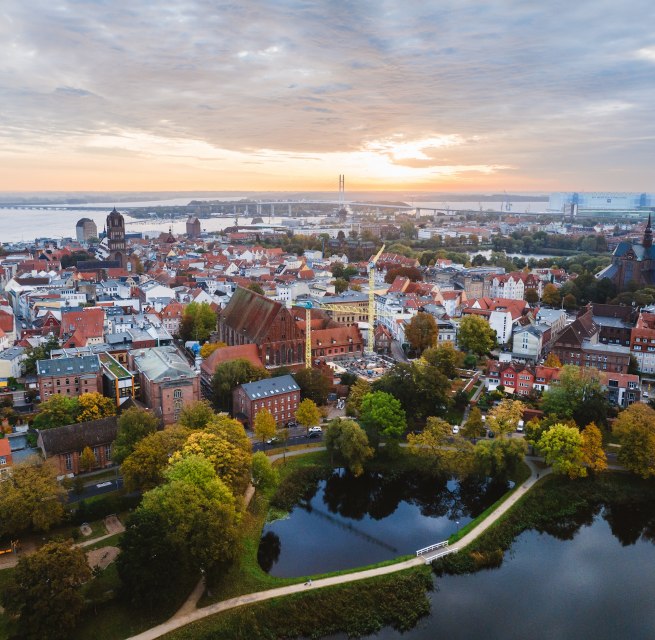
(315, 430)
(272, 440)
(455, 429)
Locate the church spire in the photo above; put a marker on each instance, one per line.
(648, 235)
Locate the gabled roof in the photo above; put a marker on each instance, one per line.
(250, 314)
(75, 437)
(243, 351)
(269, 387)
(68, 366)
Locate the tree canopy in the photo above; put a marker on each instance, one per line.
(357, 391)
(422, 332)
(264, 426)
(445, 358)
(476, 335)
(94, 406)
(313, 385)
(383, 417)
(561, 446)
(307, 414)
(635, 428)
(593, 454)
(134, 424)
(504, 418)
(228, 376)
(196, 415)
(198, 322)
(347, 444)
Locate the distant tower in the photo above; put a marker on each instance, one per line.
(343, 212)
(85, 229)
(116, 238)
(193, 229)
(648, 235)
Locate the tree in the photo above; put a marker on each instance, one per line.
(411, 273)
(474, 425)
(553, 361)
(500, 457)
(633, 367)
(198, 322)
(30, 499)
(41, 352)
(561, 446)
(149, 565)
(445, 358)
(44, 591)
(347, 443)
(531, 296)
(144, 468)
(94, 406)
(578, 395)
(382, 416)
(265, 426)
(357, 392)
(134, 424)
(198, 512)
(635, 428)
(209, 347)
(87, 459)
(228, 376)
(340, 285)
(256, 287)
(313, 385)
(569, 302)
(232, 463)
(264, 475)
(504, 418)
(421, 332)
(196, 415)
(551, 295)
(593, 454)
(437, 445)
(307, 414)
(476, 335)
(56, 411)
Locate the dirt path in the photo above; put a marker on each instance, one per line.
(184, 616)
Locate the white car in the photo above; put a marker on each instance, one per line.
(455, 429)
(315, 430)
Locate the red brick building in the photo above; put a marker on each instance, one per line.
(65, 444)
(166, 381)
(69, 376)
(337, 342)
(520, 378)
(250, 318)
(247, 352)
(279, 395)
(5, 457)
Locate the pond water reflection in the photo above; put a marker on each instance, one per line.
(350, 522)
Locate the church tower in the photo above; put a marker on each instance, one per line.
(116, 238)
(648, 236)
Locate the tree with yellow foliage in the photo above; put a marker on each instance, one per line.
(209, 347)
(553, 361)
(93, 406)
(265, 425)
(307, 414)
(593, 454)
(505, 417)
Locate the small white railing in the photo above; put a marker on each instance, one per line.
(432, 547)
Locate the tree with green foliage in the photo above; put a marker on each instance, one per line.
(577, 395)
(500, 457)
(94, 406)
(437, 445)
(593, 454)
(382, 417)
(474, 425)
(569, 302)
(196, 415)
(87, 459)
(561, 446)
(41, 352)
(44, 591)
(476, 335)
(198, 322)
(228, 376)
(31, 499)
(56, 411)
(635, 428)
(198, 512)
(445, 358)
(633, 367)
(340, 285)
(144, 468)
(504, 418)
(307, 414)
(134, 424)
(264, 426)
(534, 429)
(313, 385)
(265, 476)
(422, 332)
(357, 391)
(150, 566)
(347, 444)
(256, 287)
(531, 296)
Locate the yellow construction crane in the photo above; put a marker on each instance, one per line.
(371, 300)
(308, 305)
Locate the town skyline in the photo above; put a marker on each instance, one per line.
(485, 97)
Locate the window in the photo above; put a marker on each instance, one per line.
(107, 452)
(68, 461)
(96, 453)
(3, 460)
(177, 393)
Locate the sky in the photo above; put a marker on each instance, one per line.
(425, 95)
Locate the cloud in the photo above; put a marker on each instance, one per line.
(557, 91)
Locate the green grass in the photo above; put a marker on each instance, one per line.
(521, 477)
(358, 608)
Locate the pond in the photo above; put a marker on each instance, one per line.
(595, 581)
(349, 522)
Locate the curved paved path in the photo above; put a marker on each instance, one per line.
(184, 618)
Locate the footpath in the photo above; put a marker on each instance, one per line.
(184, 616)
